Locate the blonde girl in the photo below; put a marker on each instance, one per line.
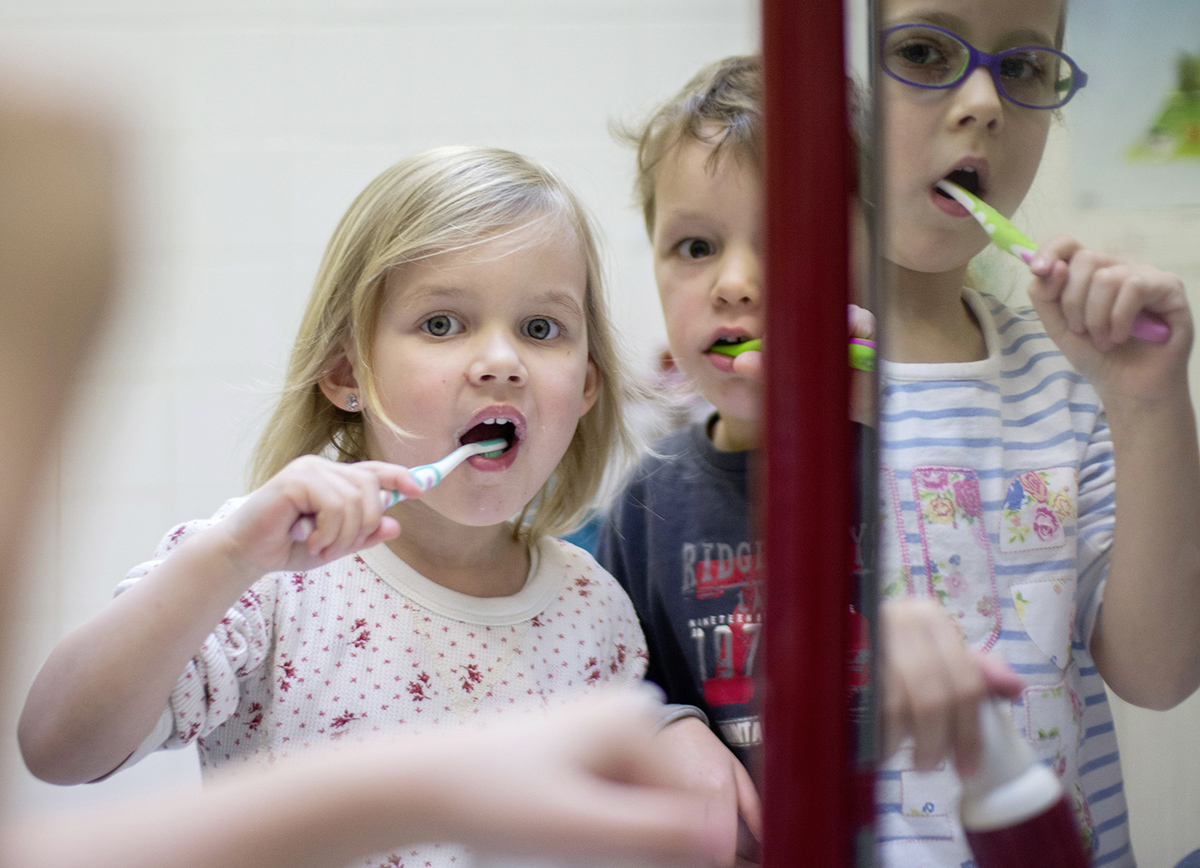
(460, 299)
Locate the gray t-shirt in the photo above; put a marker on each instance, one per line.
(678, 540)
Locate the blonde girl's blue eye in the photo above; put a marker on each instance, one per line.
(695, 248)
(442, 324)
(541, 328)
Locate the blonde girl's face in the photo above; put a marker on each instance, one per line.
(965, 130)
(489, 341)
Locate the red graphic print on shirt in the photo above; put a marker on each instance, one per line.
(726, 644)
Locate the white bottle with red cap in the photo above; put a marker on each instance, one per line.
(1014, 809)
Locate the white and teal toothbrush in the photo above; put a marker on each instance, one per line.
(426, 476)
(1011, 240)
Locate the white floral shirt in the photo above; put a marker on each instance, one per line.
(366, 644)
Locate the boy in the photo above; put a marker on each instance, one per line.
(679, 537)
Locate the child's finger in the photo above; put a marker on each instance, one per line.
(921, 674)
(1044, 293)
(312, 493)
(999, 677)
(861, 322)
(387, 529)
(1132, 297)
(749, 364)
(364, 509)
(967, 689)
(393, 477)
(1145, 289)
(749, 804)
(1098, 306)
(338, 518)
(1050, 266)
(1060, 248)
(896, 724)
(1080, 274)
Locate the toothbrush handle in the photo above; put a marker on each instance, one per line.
(1151, 328)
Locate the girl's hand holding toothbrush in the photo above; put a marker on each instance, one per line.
(1089, 303)
(343, 499)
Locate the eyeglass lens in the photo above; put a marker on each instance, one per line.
(931, 58)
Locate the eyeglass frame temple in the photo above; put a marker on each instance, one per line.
(990, 62)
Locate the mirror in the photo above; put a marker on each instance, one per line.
(254, 125)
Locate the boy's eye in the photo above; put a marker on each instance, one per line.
(441, 324)
(541, 329)
(695, 248)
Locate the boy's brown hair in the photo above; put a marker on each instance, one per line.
(721, 106)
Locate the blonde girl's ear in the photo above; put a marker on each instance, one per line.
(340, 385)
(591, 385)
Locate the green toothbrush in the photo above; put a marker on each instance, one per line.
(1004, 235)
(862, 351)
(737, 349)
(1012, 240)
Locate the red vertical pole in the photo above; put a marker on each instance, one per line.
(806, 502)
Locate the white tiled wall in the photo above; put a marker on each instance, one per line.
(255, 122)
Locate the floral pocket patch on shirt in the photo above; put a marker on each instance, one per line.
(957, 556)
(1039, 507)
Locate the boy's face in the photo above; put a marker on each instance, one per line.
(708, 263)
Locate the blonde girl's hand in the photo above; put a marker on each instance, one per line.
(587, 781)
(342, 499)
(708, 768)
(1088, 302)
(933, 684)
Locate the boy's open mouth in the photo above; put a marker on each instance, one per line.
(490, 429)
(966, 178)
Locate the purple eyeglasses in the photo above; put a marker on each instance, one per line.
(934, 58)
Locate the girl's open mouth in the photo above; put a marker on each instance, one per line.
(966, 178)
(491, 429)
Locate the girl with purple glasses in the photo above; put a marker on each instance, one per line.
(1001, 427)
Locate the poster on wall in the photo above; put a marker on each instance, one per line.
(1135, 128)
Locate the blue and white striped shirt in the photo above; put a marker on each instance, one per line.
(997, 491)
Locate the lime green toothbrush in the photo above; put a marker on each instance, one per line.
(737, 349)
(1004, 235)
(1012, 240)
(862, 351)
